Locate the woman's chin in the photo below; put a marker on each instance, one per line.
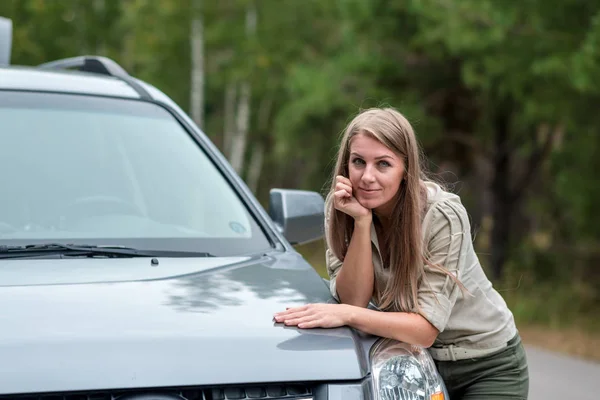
(369, 203)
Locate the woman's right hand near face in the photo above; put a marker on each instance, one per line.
(344, 200)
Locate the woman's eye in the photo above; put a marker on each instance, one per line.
(358, 161)
(384, 164)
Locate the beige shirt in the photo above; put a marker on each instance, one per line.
(479, 319)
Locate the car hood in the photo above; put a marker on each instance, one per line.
(85, 324)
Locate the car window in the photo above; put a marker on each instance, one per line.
(113, 170)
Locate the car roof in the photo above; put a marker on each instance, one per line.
(64, 81)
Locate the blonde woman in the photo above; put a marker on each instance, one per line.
(403, 242)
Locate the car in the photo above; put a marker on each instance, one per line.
(135, 264)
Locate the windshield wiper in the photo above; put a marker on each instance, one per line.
(84, 250)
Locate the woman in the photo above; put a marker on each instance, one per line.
(401, 241)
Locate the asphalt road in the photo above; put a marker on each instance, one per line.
(554, 376)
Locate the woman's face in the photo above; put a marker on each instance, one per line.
(376, 173)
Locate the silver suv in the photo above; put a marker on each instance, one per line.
(135, 264)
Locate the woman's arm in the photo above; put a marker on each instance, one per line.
(355, 279)
(405, 327)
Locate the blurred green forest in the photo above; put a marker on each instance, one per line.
(503, 96)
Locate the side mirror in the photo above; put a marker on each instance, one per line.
(298, 214)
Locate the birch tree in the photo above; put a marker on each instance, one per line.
(257, 159)
(197, 67)
(229, 117)
(240, 139)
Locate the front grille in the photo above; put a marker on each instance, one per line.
(256, 392)
(259, 392)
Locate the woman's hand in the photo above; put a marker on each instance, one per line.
(344, 200)
(316, 316)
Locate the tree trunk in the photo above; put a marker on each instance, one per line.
(81, 17)
(128, 52)
(197, 78)
(502, 204)
(482, 217)
(99, 9)
(256, 162)
(255, 167)
(229, 128)
(238, 148)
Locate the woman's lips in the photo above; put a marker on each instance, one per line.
(369, 191)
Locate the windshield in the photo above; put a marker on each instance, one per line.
(112, 171)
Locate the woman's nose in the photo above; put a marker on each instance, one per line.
(368, 175)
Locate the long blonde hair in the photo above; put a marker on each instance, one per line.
(407, 255)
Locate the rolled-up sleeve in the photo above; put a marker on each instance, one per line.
(438, 292)
(333, 267)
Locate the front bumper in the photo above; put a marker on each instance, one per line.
(360, 390)
(344, 391)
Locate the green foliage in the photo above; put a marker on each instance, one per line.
(451, 66)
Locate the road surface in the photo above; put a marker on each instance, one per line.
(554, 376)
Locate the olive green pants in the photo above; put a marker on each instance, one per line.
(500, 375)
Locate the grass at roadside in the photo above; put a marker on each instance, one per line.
(540, 317)
(572, 340)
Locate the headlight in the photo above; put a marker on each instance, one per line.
(404, 372)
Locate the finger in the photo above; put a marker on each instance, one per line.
(299, 313)
(341, 194)
(343, 180)
(315, 323)
(290, 313)
(292, 309)
(291, 322)
(301, 320)
(283, 318)
(343, 186)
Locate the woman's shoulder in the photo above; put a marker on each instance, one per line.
(443, 208)
(436, 194)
